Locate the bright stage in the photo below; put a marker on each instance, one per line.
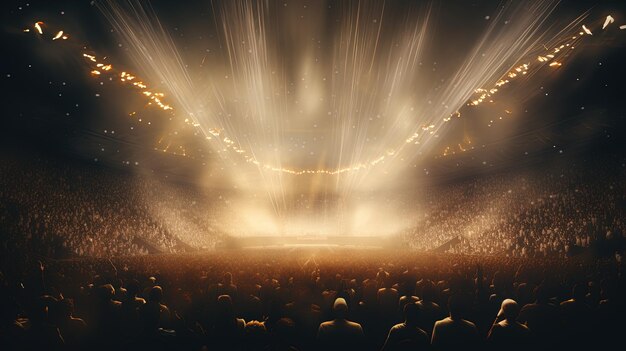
(361, 242)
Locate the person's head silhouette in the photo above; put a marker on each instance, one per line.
(509, 310)
(225, 310)
(156, 294)
(340, 308)
(456, 306)
(411, 313)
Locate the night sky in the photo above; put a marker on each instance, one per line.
(52, 105)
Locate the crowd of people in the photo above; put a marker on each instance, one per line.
(61, 211)
(70, 211)
(307, 299)
(545, 214)
(94, 258)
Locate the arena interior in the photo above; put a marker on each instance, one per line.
(312, 175)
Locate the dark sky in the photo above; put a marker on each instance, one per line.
(52, 105)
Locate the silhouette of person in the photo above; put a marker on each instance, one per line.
(407, 335)
(228, 330)
(430, 311)
(454, 332)
(575, 315)
(542, 318)
(340, 333)
(153, 314)
(73, 329)
(506, 332)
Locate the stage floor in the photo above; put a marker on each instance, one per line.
(308, 241)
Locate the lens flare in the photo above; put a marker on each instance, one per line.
(342, 106)
(609, 19)
(38, 27)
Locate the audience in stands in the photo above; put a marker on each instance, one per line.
(510, 242)
(63, 211)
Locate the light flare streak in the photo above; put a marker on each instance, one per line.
(38, 27)
(257, 82)
(251, 60)
(609, 19)
(372, 96)
(59, 35)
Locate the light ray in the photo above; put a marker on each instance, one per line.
(253, 64)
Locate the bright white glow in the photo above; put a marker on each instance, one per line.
(608, 21)
(368, 101)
